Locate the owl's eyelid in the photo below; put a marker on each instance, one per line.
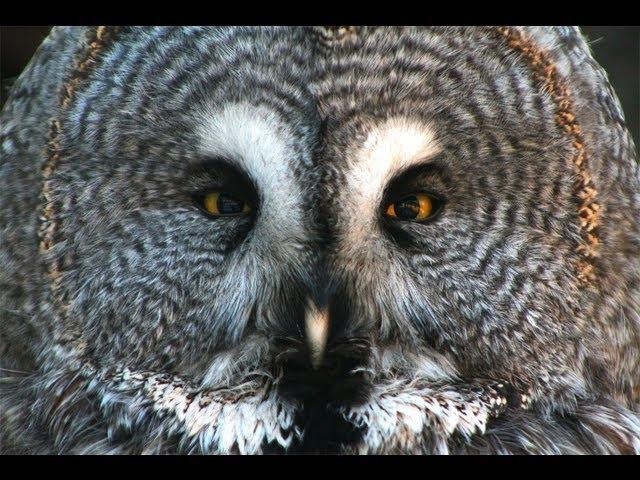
(400, 194)
(229, 188)
(404, 182)
(220, 174)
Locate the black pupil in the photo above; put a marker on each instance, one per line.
(407, 208)
(228, 204)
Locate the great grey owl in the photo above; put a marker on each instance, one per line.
(336, 239)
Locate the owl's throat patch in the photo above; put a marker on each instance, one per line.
(323, 393)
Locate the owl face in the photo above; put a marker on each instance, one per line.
(278, 240)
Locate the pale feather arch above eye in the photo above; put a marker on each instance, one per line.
(260, 143)
(391, 147)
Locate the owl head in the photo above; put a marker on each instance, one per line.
(343, 239)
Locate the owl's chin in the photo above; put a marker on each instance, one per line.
(364, 398)
(346, 408)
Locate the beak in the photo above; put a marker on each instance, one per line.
(317, 331)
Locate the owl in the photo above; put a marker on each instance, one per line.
(374, 240)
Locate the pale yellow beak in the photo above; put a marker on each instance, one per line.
(317, 331)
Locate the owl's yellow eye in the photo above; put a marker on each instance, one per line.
(223, 203)
(418, 206)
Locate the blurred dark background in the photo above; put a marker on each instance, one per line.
(616, 48)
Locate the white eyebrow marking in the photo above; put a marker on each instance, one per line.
(258, 141)
(390, 147)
